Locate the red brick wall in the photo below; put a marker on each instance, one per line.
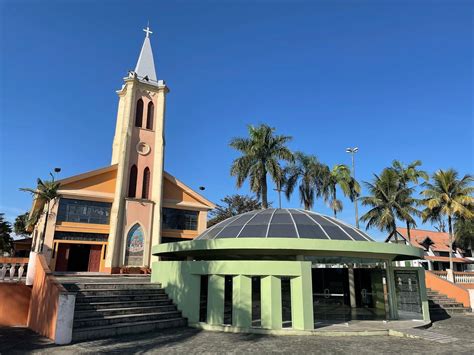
(14, 304)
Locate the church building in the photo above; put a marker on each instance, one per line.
(107, 220)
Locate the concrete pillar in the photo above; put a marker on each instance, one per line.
(215, 300)
(302, 299)
(392, 295)
(352, 292)
(425, 308)
(242, 301)
(65, 318)
(271, 302)
(450, 275)
(430, 265)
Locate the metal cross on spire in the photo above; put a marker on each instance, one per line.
(147, 31)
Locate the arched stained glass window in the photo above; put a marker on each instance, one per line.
(135, 246)
(146, 183)
(139, 113)
(149, 116)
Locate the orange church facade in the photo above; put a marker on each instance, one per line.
(107, 220)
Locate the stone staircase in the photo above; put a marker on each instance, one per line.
(114, 305)
(441, 305)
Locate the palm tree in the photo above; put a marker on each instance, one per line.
(307, 171)
(389, 201)
(340, 175)
(406, 174)
(261, 155)
(448, 197)
(46, 193)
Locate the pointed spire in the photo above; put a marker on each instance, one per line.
(145, 64)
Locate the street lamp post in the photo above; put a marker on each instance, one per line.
(352, 151)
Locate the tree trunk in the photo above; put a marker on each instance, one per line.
(264, 191)
(408, 232)
(44, 228)
(451, 264)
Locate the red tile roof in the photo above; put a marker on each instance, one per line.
(440, 240)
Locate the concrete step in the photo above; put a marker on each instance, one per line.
(121, 298)
(126, 318)
(126, 328)
(121, 304)
(445, 304)
(111, 286)
(101, 312)
(119, 292)
(450, 310)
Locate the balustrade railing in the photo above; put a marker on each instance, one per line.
(466, 277)
(442, 274)
(13, 269)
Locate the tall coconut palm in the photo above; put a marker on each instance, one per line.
(409, 174)
(449, 197)
(46, 193)
(306, 171)
(261, 152)
(339, 175)
(389, 201)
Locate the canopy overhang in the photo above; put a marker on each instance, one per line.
(221, 248)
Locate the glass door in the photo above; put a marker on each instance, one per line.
(331, 295)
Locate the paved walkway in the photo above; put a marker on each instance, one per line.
(186, 340)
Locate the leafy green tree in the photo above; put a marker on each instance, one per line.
(232, 205)
(261, 153)
(46, 193)
(464, 232)
(339, 176)
(409, 174)
(6, 241)
(389, 201)
(306, 173)
(21, 224)
(449, 197)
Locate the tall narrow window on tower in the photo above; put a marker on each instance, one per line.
(132, 182)
(139, 113)
(146, 183)
(150, 114)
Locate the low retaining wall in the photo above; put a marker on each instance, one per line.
(450, 289)
(14, 304)
(51, 306)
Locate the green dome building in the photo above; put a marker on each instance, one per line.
(288, 268)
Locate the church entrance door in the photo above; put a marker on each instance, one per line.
(94, 258)
(79, 257)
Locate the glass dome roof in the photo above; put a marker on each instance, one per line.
(284, 223)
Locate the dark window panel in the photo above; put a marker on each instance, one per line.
(179, 219)
(282, 231)
(83, 211)
(251, 231)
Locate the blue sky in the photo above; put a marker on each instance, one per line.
(391, 77)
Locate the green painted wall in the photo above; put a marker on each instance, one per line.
(181, 280)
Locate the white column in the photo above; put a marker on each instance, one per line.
(352, 292)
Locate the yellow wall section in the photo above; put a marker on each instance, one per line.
(104, 182)
(175, 193)
(82, 227)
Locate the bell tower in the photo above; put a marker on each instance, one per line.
(138, 152)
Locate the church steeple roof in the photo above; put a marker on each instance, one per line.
(145, 64)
